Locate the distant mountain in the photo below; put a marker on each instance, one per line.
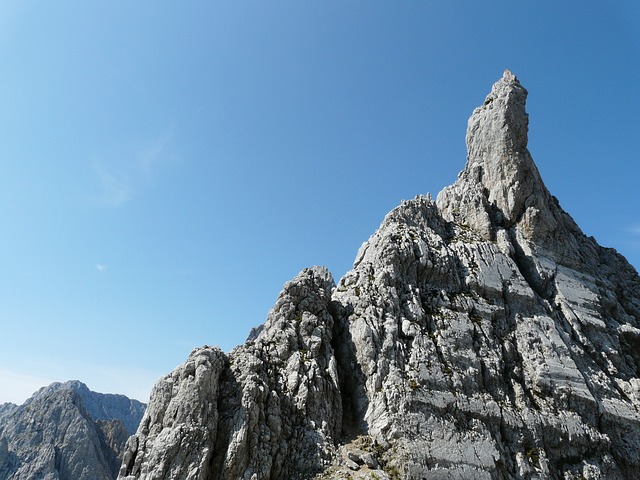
(479, 336)
(66, 432)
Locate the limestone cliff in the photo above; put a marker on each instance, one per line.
(482, 336)
(66, 432)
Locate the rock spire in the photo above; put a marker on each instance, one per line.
(500, 186)
(482, 336)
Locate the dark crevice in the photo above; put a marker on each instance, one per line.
(513, 361)
(350, 376)
(229, 402)
(545, 288)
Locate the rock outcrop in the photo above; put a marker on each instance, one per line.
(481, 336)
(269, 409)
(66, 432)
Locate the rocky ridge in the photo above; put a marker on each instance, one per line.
(66, 432)
(479, 336)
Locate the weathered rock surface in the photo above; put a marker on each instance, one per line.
(66, 432)
(269, 409)
(482, 336)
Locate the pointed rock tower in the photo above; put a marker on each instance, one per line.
(500, 186)
(480, 337)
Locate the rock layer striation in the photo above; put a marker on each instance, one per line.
(480, 336)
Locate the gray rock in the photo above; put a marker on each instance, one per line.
(65, 431)
(269, 409)
(482, 336)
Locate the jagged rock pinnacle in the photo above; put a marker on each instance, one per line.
(500, 185)
(501, 123)
(481, 337)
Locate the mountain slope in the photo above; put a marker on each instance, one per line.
(67, 432)
(479, 336)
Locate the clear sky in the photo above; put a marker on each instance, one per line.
(167, 166)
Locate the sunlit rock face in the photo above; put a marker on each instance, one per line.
(479, 336)
(66, 432)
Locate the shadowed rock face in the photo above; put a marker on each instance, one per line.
(482, 336)
(66, 432)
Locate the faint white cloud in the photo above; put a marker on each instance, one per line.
(116, 189)
(629, 244)
(634, 241)
(151, 154)
(123, 176)
(101, 268)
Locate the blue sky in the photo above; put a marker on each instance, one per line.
(168, 166)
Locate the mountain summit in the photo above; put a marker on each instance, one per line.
(500, 184)
(66, 432)
(482, 336)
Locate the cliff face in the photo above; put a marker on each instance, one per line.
(479, 336)
(66, 432)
